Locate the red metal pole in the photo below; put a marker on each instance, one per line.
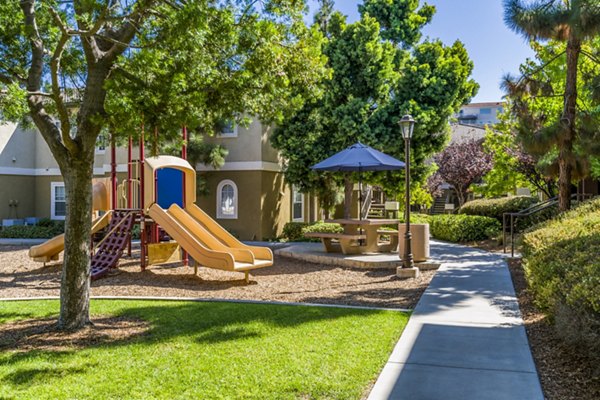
(113, 172)
(184, 253)
(141, 197)
(129, 185)
(129, 174)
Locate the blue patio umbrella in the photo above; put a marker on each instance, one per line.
(358, 158)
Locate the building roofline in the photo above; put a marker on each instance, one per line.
(485, 104)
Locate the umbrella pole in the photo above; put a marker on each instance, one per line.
(360, 194)
(360, 200)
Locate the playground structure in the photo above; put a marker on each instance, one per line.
(159, 196)
(49, 250)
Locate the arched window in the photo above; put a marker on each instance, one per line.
(227, 200)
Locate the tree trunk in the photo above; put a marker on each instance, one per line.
(348, 192)
(461, 197)
(75, 285)
(565, 156)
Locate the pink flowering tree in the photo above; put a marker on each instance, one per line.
(461, 165)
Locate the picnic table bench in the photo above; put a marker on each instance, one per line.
(393, 242)
(349, 243)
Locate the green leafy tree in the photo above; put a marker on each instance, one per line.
(160, 64)
(380, 72)
(536, 103)
(513, 166)
(569, 22)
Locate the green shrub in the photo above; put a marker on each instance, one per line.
(292, 231)
(32, 232)
(323, 227)
(463, 228)
(46, 222)
(562, 267)
(416, 218)
(495, 208)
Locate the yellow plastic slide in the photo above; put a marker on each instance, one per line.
(203, 246)
(216, 230)
(49, 250)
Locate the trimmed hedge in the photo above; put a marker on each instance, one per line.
(562, 266)
(43, 230)
(463, 228)
(416, 218)
(495, 208)
(292, 231)
(323, 227)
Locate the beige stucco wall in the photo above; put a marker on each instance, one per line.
(269, 154)
(16, 146)
(246, 146)
(248, 225)
(263, 203)
(276, 204)
(21, 189)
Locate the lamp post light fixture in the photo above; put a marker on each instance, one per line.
(407, 126)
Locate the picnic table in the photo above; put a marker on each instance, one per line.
(352, 239)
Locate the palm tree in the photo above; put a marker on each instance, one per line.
(572, 22)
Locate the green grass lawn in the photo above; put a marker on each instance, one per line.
(208, 351)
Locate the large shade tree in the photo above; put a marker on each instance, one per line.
(381, 70)
(570, 22)
(535, 129)
(127, 63)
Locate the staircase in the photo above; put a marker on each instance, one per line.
(376, 211)
(439, 205)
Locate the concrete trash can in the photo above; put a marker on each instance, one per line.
(419, 242)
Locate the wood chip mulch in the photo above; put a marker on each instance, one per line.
(564, 372)
(42, 334)
(287, 280)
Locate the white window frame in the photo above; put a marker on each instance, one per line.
(53, 186)
(294, 191)
(233, 134)
(219, 198)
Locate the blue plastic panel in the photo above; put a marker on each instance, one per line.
(169, 187)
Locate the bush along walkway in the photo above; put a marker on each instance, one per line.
(465, 339)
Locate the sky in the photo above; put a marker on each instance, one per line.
(494, 48)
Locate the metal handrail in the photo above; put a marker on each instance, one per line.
(527, 212)
(366, 205)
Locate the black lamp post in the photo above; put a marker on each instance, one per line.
(407, 125)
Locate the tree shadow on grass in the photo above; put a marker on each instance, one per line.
(203, 322)
(6, 316)
(28, 376)
(22, 372)
(224, 334)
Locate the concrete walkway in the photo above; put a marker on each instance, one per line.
(465, 339)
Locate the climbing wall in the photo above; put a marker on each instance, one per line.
(112, 246)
